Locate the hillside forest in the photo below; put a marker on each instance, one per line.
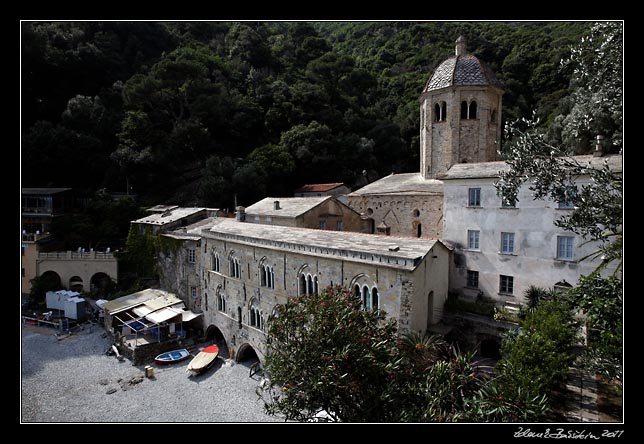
(203, 113)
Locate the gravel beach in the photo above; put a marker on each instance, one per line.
(69, 381)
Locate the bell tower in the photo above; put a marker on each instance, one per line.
(460, 114)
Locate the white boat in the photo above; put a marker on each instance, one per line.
(204, 359)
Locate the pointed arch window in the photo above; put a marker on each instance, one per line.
(366, 298)
(374, 298)
(266, 276)
(308, 284)
(437, 113)
(255, 315)
(443, 111)
(216, 262)
(221, 301)
(234, 267)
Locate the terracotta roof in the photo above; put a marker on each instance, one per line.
(318, 187)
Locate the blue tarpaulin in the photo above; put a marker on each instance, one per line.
(135, 325)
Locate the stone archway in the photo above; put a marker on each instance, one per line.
(246, 355)
(76, 284)
(100, 284)
(215, 335)
(52, 280)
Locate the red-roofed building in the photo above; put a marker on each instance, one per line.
(323, 189)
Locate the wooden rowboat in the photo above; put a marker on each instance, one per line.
(172, 356)
(204, 359)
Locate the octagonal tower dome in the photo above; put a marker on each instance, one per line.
(462, 69)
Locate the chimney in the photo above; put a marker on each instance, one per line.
(276, 205)
(460, 46)
(240, 214)
(599, 150)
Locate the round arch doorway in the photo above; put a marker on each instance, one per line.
(247, 356)
(215, 336)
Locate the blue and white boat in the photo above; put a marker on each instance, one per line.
(172, 356)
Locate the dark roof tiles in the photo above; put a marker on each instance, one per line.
(461, 70)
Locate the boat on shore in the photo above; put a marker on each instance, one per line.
(204, 359)
(171, 357)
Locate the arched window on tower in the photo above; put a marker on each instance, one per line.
(443, 111)
(463, 109)
(437, 113)
(473, 110)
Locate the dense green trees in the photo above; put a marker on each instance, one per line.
(154, 106)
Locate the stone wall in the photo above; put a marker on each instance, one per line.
(177, 275)
(403, 213)
(71, 264)
(399, 290)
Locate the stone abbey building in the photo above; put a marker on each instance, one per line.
(400, 243)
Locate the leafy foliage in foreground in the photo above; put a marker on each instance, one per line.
(601, 300)
(537, 359)
(327, 354)
(324, 353)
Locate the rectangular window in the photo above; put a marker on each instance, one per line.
(506, 284)
(193, 292)
(472, 279)
(474, 197)
(322, 225)
(473, 239)
(564, 247)
(339, 225)
(507, 243)
(508, 203)
(566, 203)
(191, 256)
